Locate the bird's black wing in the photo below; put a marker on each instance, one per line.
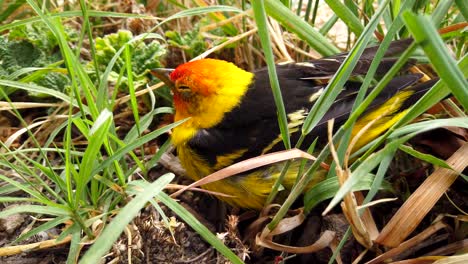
(251, 127)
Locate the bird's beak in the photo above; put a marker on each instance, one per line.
(163, 75)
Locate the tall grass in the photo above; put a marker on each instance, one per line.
(95, 182)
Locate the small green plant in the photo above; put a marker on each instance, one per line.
(30, 53)
(191, 42)
(144, 56)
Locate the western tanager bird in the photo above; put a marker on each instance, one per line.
(233, 116)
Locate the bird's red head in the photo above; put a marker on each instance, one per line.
(206, 89)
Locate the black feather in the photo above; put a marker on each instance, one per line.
(253, 125)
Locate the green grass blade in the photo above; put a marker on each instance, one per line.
(261, 20)
(75, 247)
(96, 138)
(346, 15)
(44, 227)
(29, 87)
(300, 27)
(463, 6)
(129, 147)
(328, 188)
(36, 209)
(425, 157)
(441, 10)
(427, 36)
(112, 232)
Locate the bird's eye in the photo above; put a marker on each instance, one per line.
(183, 88)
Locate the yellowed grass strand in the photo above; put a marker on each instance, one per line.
(224, 44)
(324, 241)
(286, 225)
(422, 200)
(248, 164)
(126, 98)
(458, 246)
(14, 250)
(370, 204)
(20, 132)
(360, 257)
(459, 259)
(367, 219)
(349, 204)
(420, 260)
(25, 105)
(409, 243)
(277, 36)
(226, 21)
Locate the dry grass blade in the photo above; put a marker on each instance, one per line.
(224, 44)
(249, 164)
(420, 260)
(349, 205)
(265, 239)
(409, 244)
(366, 216)
(422, 200)
(22, 131)
(460, 259)
(13, 250)
(450, 248)
(226, 21)
(287, 224)
(24, 105)
(127, 98)
(324, 241)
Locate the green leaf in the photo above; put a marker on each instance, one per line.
(425, 157)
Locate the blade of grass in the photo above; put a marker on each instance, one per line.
(97, 136)
(412, 212)
(88, 29)
(142, 140)
(29, 87)
(440, 11)
(44, 227)
(75, 247)
(359, 106)
(463, 6)
(425, 157)
(261, 20)
(112, 232)
(297, 25)
(347, 16)
(328, 188)
(12, 7)
(426, 35)
(37, 209)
